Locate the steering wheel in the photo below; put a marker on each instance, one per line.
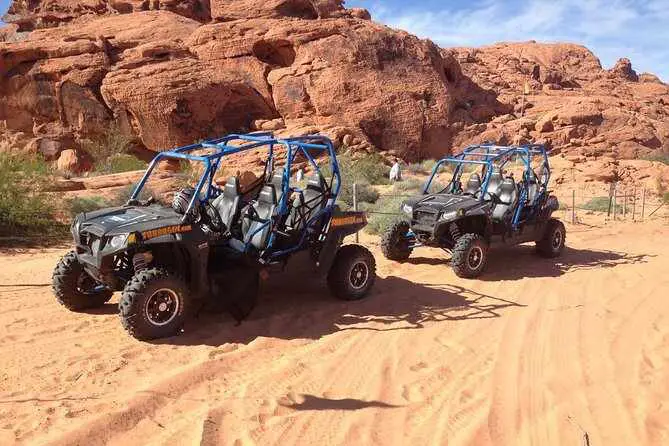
(210, 220)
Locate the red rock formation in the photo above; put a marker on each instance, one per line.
(171, 72)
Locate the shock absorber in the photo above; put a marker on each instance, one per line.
(455, 231)
(141, 261)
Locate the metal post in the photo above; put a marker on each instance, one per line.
(615, 200)
(643, 202)
(355, 207)
(573, 207)
(624, 204)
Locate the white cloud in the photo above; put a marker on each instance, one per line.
(610, 28)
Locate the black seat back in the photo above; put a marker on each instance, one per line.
(508, 195)
(495, 181)
(227, 204)
(307, 204)
(473, 184)
(257, 224)
(277, 182)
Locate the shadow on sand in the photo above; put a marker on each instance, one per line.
(520, 262)
(295, 305)
(312, 402)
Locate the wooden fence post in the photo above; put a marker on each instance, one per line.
(634, 204)
(643, 202)
(573, 207)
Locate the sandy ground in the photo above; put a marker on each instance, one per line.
(535, 353)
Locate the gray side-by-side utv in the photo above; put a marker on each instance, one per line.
(213, 243)
(490, 209)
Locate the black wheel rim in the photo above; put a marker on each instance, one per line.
(475, 257)
(556, 240)
(162, 307)
(359, 275)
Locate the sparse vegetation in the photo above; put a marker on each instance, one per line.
(665, 198)
(600, 204)
(423, 168)
(660, 157)
(110, 152)
(24, 208)
(124, 163)
(410, 186)
(364, 172)
(78, 205)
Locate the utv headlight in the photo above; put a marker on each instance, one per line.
(118, 241)
(453, 214)
(407, 209)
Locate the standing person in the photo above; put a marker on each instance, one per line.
(299, 175)
(395, 173)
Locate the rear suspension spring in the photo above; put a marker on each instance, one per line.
(455, 231)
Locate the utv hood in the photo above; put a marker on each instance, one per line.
(126, 219)
(438, 203)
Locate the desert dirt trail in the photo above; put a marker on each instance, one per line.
(535, 353)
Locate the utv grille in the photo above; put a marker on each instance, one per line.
(425, 218)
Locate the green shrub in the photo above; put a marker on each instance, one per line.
(428, 165)
(106, 148)
(124, 163)
(411, 186)
(122, 196)
(383, 213)
(665, 198)
(660, 157)
(78, 205)
(24, 208)
(363, 172)
(600, 204)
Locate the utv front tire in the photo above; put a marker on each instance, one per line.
(153, 304)
(552, 242)
(353, 273)
(470, 255)
(74, 288)
(394, 243)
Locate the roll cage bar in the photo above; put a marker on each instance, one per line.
(221, 147)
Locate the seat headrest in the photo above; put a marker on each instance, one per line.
(508, 185)
(267, 195)
(316, 181)
(231, 188)
(277, 178)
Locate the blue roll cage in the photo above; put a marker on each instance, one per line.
(221, 147)
(490, 154)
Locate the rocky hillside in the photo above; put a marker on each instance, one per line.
(170, 72)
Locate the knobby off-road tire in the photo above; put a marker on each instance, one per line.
(470, 255)
(394, 243)
(73, 286)
(552, 242)
(154, 304)
(353, 273)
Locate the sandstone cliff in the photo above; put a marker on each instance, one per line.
(169, 72)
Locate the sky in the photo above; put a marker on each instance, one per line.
(636, 29)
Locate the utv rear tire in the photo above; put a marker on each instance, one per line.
(353, 273)
(394, 243)
(470, 255)
(154, 304)
(72, 285)
(552, 242)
